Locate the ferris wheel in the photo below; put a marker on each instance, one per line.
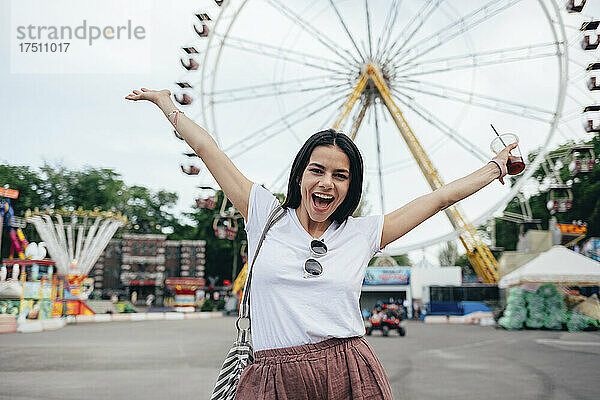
(415, 84)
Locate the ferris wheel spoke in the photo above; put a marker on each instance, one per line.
(268, 50)
(575, 133)
(286, 85)
(343, 23)
(411, 28)
(279, 183)
(402, 164)
(456, 28)
(570, 115)
(386, 31)
(277, 91)
(576, 35)
(562, 133)
(379, 160)
(279, 125)
(282, 125)
(585, 93)
(568, 126)
(434, 121)
(579, 64)
(474, 60)
(480, 100)
(368, 16)
(579, 76)
(313, 31)
(574, 28)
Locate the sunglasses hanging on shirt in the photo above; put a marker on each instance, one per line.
(313, 268)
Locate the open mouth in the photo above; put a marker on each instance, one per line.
(321, 201)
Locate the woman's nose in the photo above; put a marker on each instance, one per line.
(326, 181)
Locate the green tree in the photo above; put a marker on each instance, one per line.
(448, 254)
(402, 260)
(29, 184)
(98, 188)
(363, 206)
(148, 211)
(56, 187)
(218, 252)
(463, 262)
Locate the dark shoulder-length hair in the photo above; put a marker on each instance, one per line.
(329, 137)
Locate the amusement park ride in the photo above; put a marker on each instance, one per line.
(41, 288)
(422, 54)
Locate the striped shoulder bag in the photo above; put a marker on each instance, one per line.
(241, 354)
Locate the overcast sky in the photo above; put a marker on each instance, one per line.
(70, 107)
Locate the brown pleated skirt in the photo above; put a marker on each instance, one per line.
(335, 369)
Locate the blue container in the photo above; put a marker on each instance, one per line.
(469, 307)
(444, 308)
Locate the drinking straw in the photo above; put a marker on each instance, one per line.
(495, 131)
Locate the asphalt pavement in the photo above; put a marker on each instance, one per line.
(181, 359)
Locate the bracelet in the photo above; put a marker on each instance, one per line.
(176, 112)
(503, 171)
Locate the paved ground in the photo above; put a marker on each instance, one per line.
(180, 360)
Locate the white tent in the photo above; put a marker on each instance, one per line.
(558, 265)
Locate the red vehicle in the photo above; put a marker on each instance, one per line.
(386, 318)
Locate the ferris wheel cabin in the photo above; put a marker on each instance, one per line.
(593, 82)
(204, 32)
(575, 8)
(191, 170)
(583, 159)
(591, 117)
(192, 65)
(225, 227)
(591, 38)
(183, 85)
(208, 202)
(560, 199)
(185, 99)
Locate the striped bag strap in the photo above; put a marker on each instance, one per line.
(243, 332)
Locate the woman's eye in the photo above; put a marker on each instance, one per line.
(318, 171)
(341, 176)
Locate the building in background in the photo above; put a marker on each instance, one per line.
(141, 262)
(386, 283)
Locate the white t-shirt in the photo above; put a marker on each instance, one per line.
(287, 309)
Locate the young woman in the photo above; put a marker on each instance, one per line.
(307, 329)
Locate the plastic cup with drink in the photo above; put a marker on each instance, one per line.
(515, 164)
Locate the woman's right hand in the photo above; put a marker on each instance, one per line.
(154, 96)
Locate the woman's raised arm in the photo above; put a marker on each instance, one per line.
(398, 223)
(233, 183)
